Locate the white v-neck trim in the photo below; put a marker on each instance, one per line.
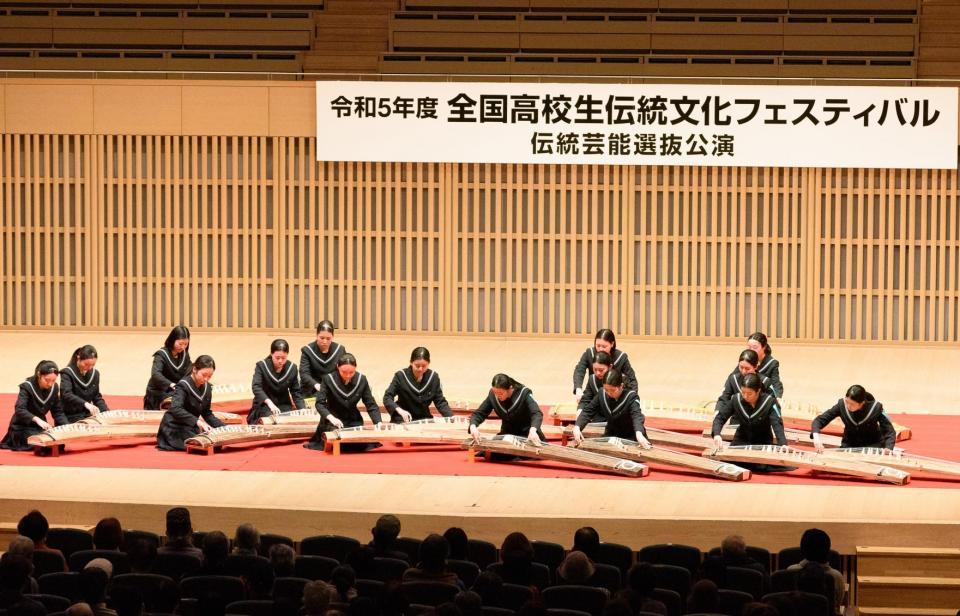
(190, 386)
(270, 372)
(419, 390)
(93, 372)
(37, 396)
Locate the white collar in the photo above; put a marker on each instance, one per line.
(93, 371)
(623, 400)
(183, 358)
(865, 417)
(37, 396)
(191, 386)
(270, 371)
(333, 383)
(332, 352)
(426, 383)
(512, 404)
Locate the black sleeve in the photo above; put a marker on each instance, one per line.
(589, 394)
(729, 391)
(98, 398)
(887, 431)
(776, 422)
(259, 396)
(306, 378)
(390, 395)
(56, 409)
(21, 408)
(482, 412)
(177, 409)
(629, 376)
(820, 421)
(581, 370)
(323, 407)
(636, 414)
(536, 415)
(440, 402)
(589, 413)
(212, 420)
(724, 411)
(296, 393)
(66, 389)
(156, 373)
(775, 383)
(370, 402)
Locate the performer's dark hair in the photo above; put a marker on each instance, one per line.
(179, 332)
(857, 393)
(420, 353)
(613, 377)
(750, 356)
(204, 361)
(608, 336)
(762, 339)
(85, 352)
(45, 367)
(602, 357)
(347, 359)
(325, 326)
(502, 381)
(752, 381)
(279, 345)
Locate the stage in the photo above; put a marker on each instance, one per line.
(284, 488)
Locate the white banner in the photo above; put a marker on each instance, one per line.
(781, 126)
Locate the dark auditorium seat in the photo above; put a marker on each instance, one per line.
(804, 603)
(540, 574)
(129, 536)
(549, 553)
(482, 552)
(489, 610)
(119, 560)
(268, 540)
(45, 561)
(244, 565)
(731, 602)
(69, 540)
(673, 578)
(337, 547)
(513, 596)
(588, 599)
(227, 589)
(429, 593)
(466, 570)
(369, 588)
(176, 566)
(314, 567)
(557, 611)
(761, 555)
(671, 599)
(675, 554)
(386, 569)
(289, 588)
(606, 576)
(53, 603)
(746, 580)
(251, 608)
(616, 554)
(410, 547)
(792, 556)
(160, 593)
(63, 584)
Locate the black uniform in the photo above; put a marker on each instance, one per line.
(166, 371)
(590, 392)
(517, 414)
(315, 365)
(415, 396)
(623, 416)
(620, 361)
(180, 421)
(731, 387)
(770, 368)
(868, 427)
(340, 400)
(32, 402)
(280, 388)
(758, 424)
(76, 390)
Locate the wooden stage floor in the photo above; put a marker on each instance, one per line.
(637, 512)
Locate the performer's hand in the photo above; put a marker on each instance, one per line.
(202, 425)
(817, 442)
(578, 394)
(173, 385)
(534, 438)
(718, 441)
(577, 436)
(404, 415)
(335, 421)
(272, 406)
(317, 387)
(41, 423)
(475, 433)
(90, 406)
(642, 440)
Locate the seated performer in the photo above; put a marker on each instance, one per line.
(318, 359)
(617, 406)
(39, 394)
(759, 415)
(189, 413)
(601, 363)
(337, 399)
(747, 364)
(768, 366)
(865, 424)
(80, 386)
(276, 385)
(413, 389)
(170, 364)
(513, 403)
(605, 341)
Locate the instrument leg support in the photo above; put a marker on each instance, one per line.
(207, 451)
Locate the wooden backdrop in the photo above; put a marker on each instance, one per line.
(133, 205)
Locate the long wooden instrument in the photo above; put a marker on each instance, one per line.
(896, 459)
(404, 433)
(794, 436)
(138, 417)
(623, 448)
(207, 442)
(87, 433)
(677, 439)
(787, 456)
(300, 417)
(519, 446)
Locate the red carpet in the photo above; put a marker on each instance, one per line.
(932, 436)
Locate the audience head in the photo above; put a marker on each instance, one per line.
(386, 531)
(21, 546)
(459, 544)
(576, 568)
(815, 545)
(79, 609)
(246, 539)
(102, 564)
(703, 597)
(142, 553)
(216, 546)
(343, 580)
(586, 540)
(93, 585)
(515, 548)
(283, 558)
(317, 596)
(642, 578)
(35, 526)
(469, 602)
(433, 552)
(179, 527)
(15, 570)
(108, 534)
(258, 579)
(733, 545)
